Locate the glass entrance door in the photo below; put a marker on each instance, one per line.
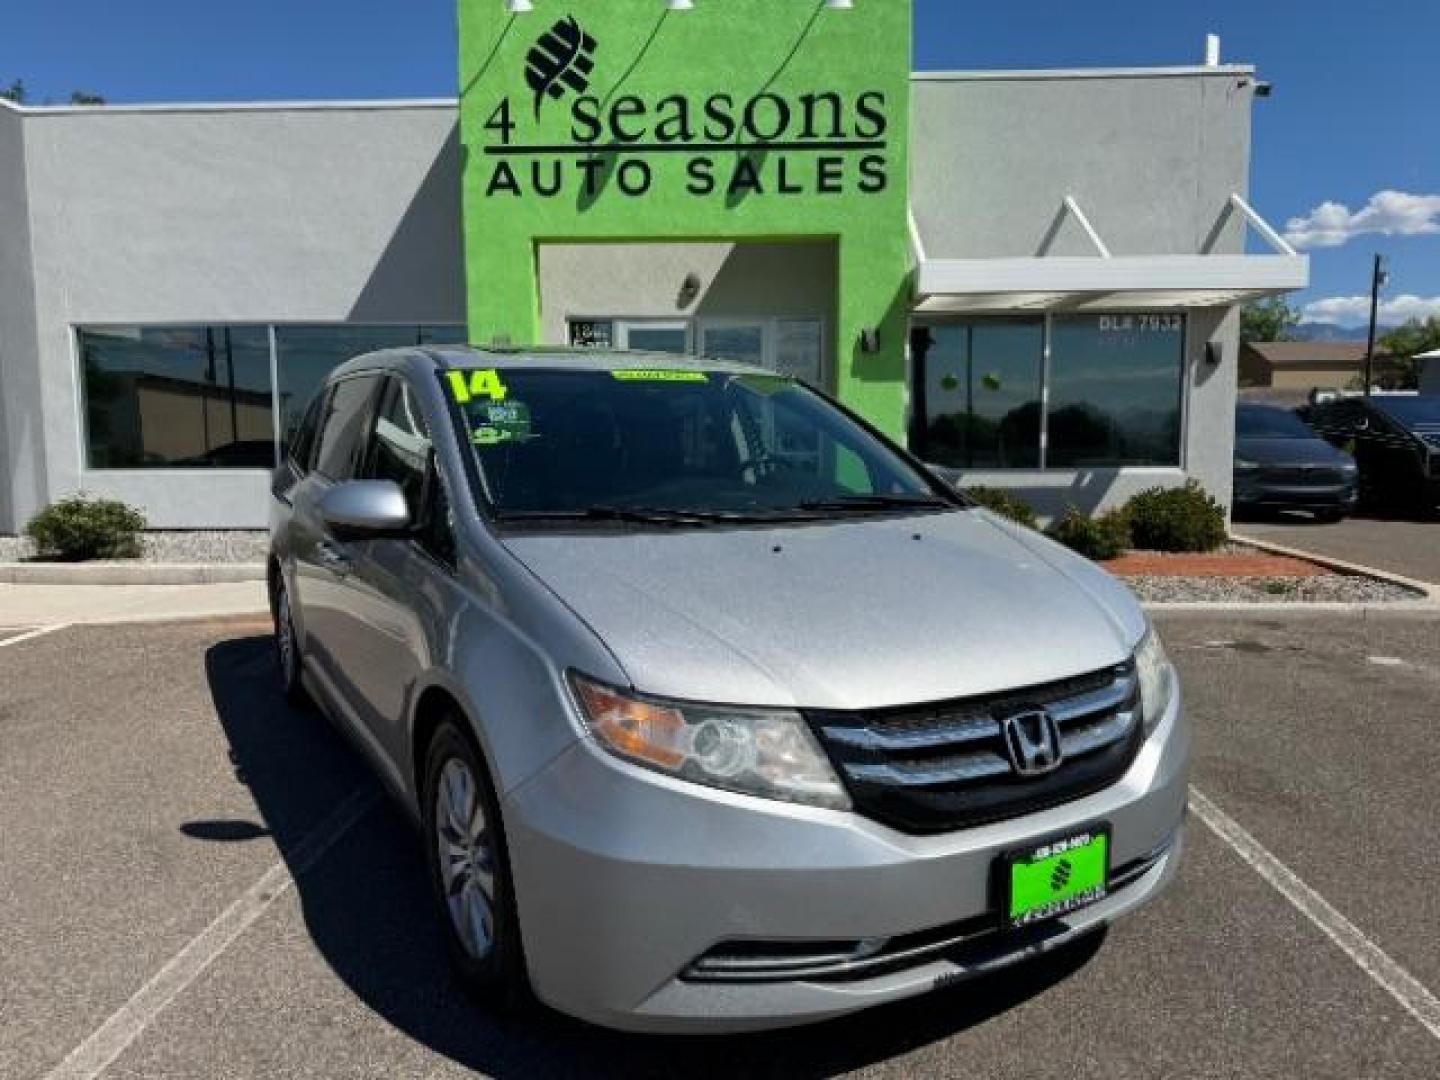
(743, 342)
(793, 347)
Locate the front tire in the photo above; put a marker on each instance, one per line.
(470, 871)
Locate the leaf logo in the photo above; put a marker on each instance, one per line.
(562, 59)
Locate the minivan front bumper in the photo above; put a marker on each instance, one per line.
(649, 904)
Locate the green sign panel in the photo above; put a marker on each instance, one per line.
(736, 120)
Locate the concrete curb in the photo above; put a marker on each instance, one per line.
(1430, 592)
(136, 573)
(1393, 608)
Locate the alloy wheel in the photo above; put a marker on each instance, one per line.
(467, 862)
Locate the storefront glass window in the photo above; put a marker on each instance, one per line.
(201, 396)
(178, 397)
(982, 393)
(1115, 390)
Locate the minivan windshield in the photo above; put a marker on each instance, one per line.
(1255, 422)
(1417, 412)
(685, 446)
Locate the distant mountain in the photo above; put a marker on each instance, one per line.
(1331, 332)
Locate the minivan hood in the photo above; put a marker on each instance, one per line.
(856, 614)
(1290, 452)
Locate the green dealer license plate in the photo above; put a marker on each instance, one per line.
(1057, 877)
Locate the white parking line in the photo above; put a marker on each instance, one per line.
(94, 1055)
(1369, 957)
(30, 635)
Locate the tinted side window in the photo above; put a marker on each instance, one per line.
(300, 445)
(346, 411)
(400, 448)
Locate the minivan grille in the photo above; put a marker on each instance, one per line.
(935, 768)
(1316, 476)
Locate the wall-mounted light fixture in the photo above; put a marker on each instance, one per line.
(840, 5)
(1214, 353)
(870, 340)
(680, 5)
(518, 7)
(689, 291)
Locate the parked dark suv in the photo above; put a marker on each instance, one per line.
(1396, 443)
(1280, 464)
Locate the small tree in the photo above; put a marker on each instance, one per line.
(14, 92)
(1406, 342)
(84, 97)
(1271, 319)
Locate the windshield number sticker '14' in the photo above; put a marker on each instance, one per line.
(468, 385)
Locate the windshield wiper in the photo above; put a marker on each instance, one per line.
(642, 515)
(879, 502)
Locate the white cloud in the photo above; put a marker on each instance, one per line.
(1355, 310)
(1389, 213)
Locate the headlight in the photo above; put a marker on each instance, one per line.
(1157, 680)
(767, 752)
(1349, 467)
(1244, 465)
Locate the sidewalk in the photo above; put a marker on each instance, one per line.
(49, 605)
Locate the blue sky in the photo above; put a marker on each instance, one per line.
(1348, 147)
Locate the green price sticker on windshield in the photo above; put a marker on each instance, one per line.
(656, 375)
(466, 386)
(501, 422)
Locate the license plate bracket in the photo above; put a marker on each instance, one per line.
(1055, 877)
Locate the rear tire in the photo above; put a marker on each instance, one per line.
(470, 871)
(287, 650)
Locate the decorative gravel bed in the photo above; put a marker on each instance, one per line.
(1269, 590)
(209, 546)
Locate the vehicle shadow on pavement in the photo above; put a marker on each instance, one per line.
(367, 910)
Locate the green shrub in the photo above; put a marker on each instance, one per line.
(1004, 504)
(1176, 519)
(1099, 538)
(80, 528)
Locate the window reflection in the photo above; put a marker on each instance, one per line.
(178, 397)
(1115, 390)
(201, 396)
(982, 393)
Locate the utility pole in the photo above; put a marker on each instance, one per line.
(1377, 281)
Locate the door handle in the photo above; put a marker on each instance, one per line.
(333, 558)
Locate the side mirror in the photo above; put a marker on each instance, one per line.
(365, 509)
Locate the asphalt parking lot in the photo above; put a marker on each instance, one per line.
(1401, 546)
(158, 800)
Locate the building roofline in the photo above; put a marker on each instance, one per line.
(384, 104)
(1032, 74)
(376, 105)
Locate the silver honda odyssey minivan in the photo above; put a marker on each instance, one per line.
(716, 710)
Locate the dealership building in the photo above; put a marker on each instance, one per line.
(1032, 277)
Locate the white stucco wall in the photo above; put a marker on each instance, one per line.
(209, 216)
(294, 214)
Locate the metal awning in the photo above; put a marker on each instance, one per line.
(1106, 282)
